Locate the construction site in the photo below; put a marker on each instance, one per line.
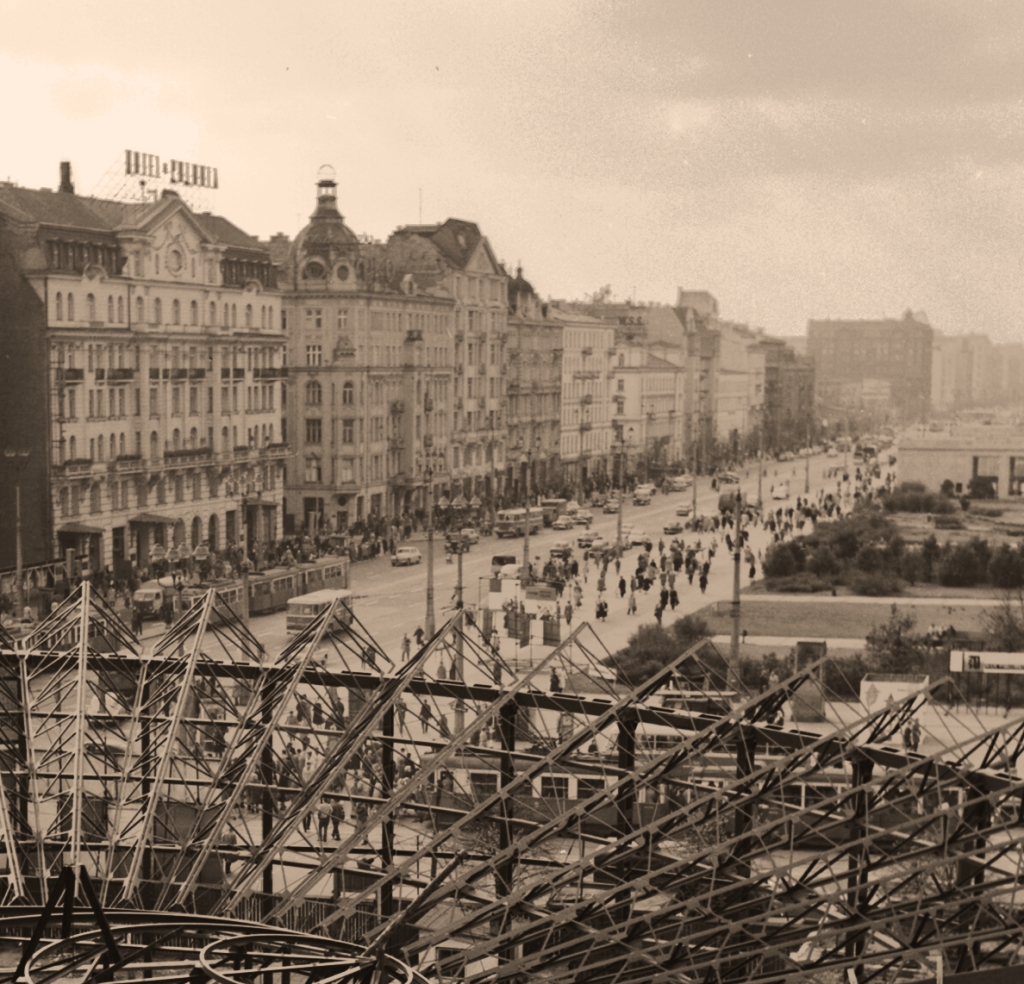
(202, 809)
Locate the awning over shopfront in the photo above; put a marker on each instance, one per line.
(80, 529)
(149, 518)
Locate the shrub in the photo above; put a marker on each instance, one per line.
(914, 501)
(948, 488)
(870, 559)
(877, 584)
(912, 567)
(803, 583)
(989, 511)
(783, 559)
(1006, 568)
(960, 566)
(981, 487)
(823, 562)
(930, 553)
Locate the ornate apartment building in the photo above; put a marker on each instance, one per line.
(534, 387)
(371, 394)
(143, 376)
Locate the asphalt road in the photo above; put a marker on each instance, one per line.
(391, 601)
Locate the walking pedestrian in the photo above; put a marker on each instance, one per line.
(631, 607)
(425, 714)
(323, 819)
(337, 815)
(400, 711)
(406, 645)
(568, 613)
(703, 582)
(419, 636)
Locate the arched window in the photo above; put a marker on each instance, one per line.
(194, 309)
(140, 310)
(90, 306)
(234, 315)
(72, 448)
(59, 314)
(263, 316)
(176, 311)
(227, 315)
(248, 315)
(270, 317)
(99, 448)
(120, 443)
(71, 307)
(314, 394)
(348, 394)
(154, 446)
(224, 439)
(193, 438)
(120, 310)
(176, 440)
(110, 308)
(158, 311)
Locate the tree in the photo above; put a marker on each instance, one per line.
(960, 566)
(981, 487)
(1006, 567)
(1004, 626)
(653, 647)
(894, 647)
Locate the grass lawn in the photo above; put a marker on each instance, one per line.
(836, 619)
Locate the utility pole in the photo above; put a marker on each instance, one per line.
(19, 459)
(737, 556)
(526, 531)
(429, 621)
(693, 449)
(460, 631)
(760, 458)
(807, 463)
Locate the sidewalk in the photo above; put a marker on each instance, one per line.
(827, 599)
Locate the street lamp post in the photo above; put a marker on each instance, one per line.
(622, 489)
(529, 493)
(18, 458)
(428, 472)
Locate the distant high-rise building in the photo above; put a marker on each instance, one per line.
(882, 370)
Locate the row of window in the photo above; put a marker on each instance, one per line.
(101, 447)
(181, 488)
(113, 402)
(116, 312)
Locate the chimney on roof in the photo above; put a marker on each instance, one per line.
(66, 184)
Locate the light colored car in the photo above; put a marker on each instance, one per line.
(584, 517)
(611, 507)
(561, 548)
(584, 540)
(636, 537)
(647, 488)
(832, 453)
(684, 510)
(406, 556)
(469, 533)
(511, 571)
(641, 499)
(563, 522)
(598, 543)
(728, 478)
(673, 529)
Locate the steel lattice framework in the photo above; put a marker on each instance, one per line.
(174, 810)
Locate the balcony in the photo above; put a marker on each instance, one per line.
(585, 426)
(242, 453)
(120, 375)
(396, 443)
(271, 372)
(274, 451)
(459, 369)
(70, 375)
(128, 464)
(586, 374)
(179, 374)
(197, 374)
(397, 407)
(414, 335)
(587, 398)
(238, 374)
(428, 403)
(458, 403)
(156, 374)
(482, 402)
(188, 456)
(588, 351)
(77, 466)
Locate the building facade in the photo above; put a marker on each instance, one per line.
(880, 369)
(534, 387)
(588, 368)
(965, 453)
(371, 393)
(162, 370)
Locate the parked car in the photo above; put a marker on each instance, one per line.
(728, 478)
(637, 537)
(561, 549)
(563, 523)
(584, 540)
(647, 488)
(598, 499)
(680, 483)
(611, 507)
(673, 529)
(641, 499)
(599, 544)
(684, 510)
(469, 533)
(406, 556)
(584, 517)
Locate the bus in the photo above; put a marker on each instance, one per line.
(303, 609)
(552, 509)
(512, 522)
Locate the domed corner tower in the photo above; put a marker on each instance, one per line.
(325, 255)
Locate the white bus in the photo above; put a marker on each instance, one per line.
(512, 522)
(304, 608)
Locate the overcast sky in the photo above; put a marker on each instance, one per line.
(802, 159)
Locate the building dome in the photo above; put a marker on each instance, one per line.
(326, 240)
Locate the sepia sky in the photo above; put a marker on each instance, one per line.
(800, 159)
